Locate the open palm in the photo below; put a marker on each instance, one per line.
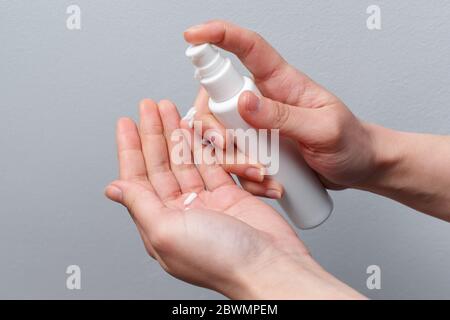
(223, 235)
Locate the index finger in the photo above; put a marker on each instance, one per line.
(256, 54)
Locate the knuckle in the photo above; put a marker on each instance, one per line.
(255, 39)
(154, 129)
(281, 115)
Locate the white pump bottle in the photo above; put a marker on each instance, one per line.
(305, 200)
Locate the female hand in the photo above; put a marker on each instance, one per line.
(227, 240)
(334, 143)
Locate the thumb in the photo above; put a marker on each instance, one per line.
(264, 113)
(141, 201)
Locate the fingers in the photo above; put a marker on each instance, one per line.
(207, 119)
(155, 152)
(185, 172)
(246, 169)
(213, 175)
(268, 188)
(212, 129)
(295, 122)
(257, 55)
(209, 124)
(129, 152)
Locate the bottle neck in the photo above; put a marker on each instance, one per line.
(220, 79)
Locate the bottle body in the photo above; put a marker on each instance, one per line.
(305, 200)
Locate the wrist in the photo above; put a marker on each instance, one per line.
(386, 148)
(275, 280)
(290, 276)
(407, 168)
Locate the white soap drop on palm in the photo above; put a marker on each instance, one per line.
(190, 198)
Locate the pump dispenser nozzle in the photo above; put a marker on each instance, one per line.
(204, 55)
(216, 73)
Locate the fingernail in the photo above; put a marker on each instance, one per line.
(194, 28)
(253, 103)
(113, 193)
(262, 171)
(256, 174)
(273, 194)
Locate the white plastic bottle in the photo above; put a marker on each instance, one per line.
(305, 200)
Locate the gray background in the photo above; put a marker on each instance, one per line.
(61, 92)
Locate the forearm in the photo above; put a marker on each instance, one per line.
(413, 169)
